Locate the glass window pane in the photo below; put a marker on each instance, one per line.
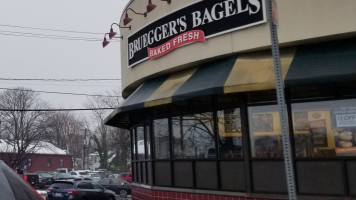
(140, 143)
(265, 131)
(148, 142)
(161, 134)
(325, 129)
(230, 136)
(133, 131)
(194, 136)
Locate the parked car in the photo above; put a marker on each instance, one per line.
(64, 170)
(74, 190)
(63, 176)
(95, 176)
(13, 187)
(33, 179)
(120, 187)
(84, 173)
(126, 176)
(75, 174)
(44, 179)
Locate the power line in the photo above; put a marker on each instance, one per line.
(59, 79)
(67, 93)
(54, 110)
(56, 38)
(39, 34)
(63, 84)
(47, 29)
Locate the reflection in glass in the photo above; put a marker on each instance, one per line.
(325, 129)
(265, 131)
(133, 132)
(140, 143)
(148, 140)
(161, 136)
(230, 136)
(193, 136)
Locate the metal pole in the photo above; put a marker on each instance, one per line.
(288, 163)
(85, 137)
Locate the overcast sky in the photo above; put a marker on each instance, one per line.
(28, 56)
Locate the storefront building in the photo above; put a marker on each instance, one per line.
(200, 99)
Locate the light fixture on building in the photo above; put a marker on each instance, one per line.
(112, 33)
(149, 8)
(105, 42)
(168, 1)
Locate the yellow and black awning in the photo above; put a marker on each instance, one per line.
(243, 73)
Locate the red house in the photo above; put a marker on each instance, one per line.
(47, 157)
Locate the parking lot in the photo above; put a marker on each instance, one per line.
(43, 193)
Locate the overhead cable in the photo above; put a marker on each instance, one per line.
(54, 110)
(47, 29)
(39, 34)
(67, 93)
(59, 79)
(55, 38)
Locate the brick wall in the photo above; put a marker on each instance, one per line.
(39, 162)
(147, 194)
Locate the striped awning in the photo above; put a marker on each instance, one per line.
(244, 73)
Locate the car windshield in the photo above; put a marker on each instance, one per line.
(65, 185)
(83, 173)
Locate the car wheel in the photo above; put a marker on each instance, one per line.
(123, 194)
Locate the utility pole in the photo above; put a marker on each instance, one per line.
(84, 147)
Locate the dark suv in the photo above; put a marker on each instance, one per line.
(13, 187)
(74, 190)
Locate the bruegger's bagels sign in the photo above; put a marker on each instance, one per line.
(194, 23)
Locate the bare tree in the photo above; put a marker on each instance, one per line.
(110, 142)
(65, 130)
(20, 128)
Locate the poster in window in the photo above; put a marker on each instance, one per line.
(318, 132)
(301, 122)
(232, 122)
(262, 122)
(344, 121)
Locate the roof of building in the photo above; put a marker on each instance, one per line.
(41, 148)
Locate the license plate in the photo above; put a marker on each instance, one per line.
(57, 194)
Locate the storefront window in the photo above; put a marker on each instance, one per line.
(148, 142)
(140, 143)
(230, 136)
(325, 129)
(193, 136)
(265, 131)
(133, 132)
(161, 136)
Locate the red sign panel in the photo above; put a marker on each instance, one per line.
(182, 39)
